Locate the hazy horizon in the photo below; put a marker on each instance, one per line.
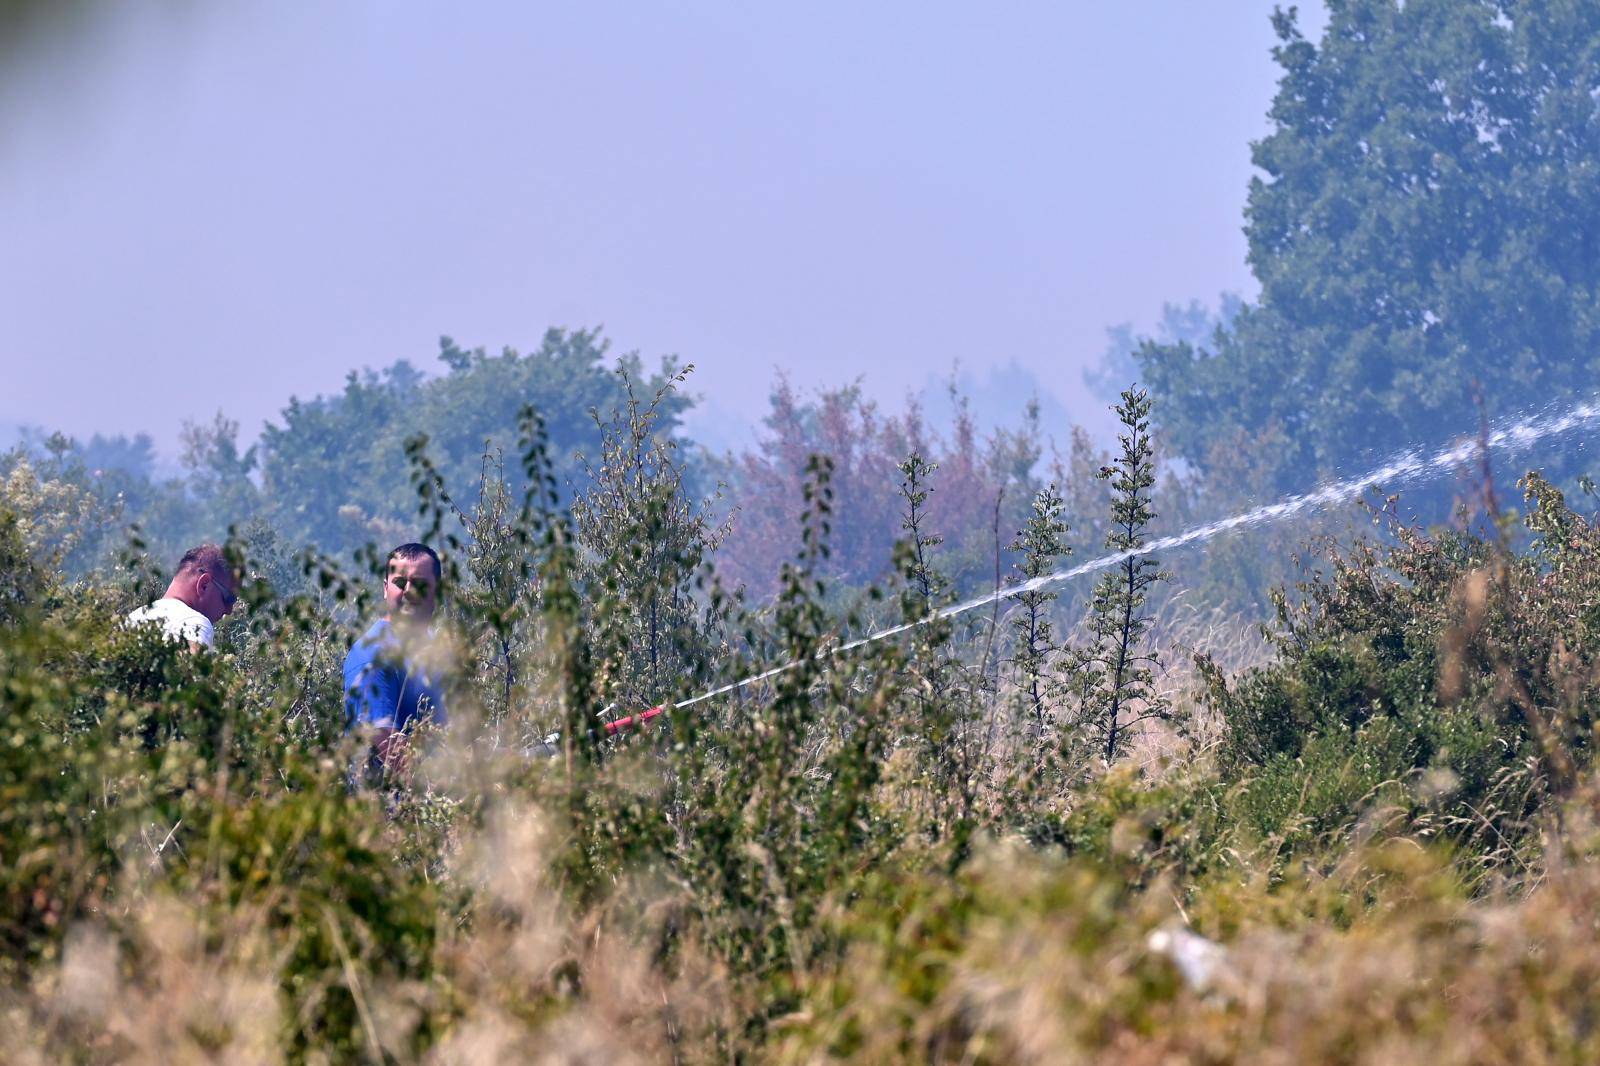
(886, 196)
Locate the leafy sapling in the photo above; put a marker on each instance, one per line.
(940, 733)
(925, 584)
(1115, 673)
(1041, 542)
(643, 542)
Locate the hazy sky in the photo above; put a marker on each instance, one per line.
(209, 206)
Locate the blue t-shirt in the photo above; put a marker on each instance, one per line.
(385, 686)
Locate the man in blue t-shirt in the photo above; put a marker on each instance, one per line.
(389, 685)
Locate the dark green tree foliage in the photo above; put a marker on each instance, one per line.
(1427, 216)
(334, 471)
(350, 441)
(1112, 673)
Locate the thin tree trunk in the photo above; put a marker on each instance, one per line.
(1122, 660)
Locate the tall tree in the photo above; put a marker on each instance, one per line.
(1427, 215)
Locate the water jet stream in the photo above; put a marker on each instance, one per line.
(1404, 469)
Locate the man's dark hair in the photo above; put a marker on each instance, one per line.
(417, 551)
(207, 559)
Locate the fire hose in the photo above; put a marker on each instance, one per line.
(1410, 466)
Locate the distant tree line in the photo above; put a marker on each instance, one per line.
(331, 472)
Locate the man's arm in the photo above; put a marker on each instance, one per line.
(372, 700)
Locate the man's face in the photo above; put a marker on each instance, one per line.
(410, 590)
(216, 594)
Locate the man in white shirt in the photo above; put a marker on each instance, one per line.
(201, 594)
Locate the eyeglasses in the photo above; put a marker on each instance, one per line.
(229, 596)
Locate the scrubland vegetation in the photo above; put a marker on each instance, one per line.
(1115, 821)
(978, 841)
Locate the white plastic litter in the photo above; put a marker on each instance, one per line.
(1201, 962)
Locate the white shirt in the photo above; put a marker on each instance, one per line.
(177, 620)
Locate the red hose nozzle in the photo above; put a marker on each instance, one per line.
(618, 725)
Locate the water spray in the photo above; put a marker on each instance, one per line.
(1404, 469)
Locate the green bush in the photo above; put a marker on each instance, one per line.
(849, 858)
